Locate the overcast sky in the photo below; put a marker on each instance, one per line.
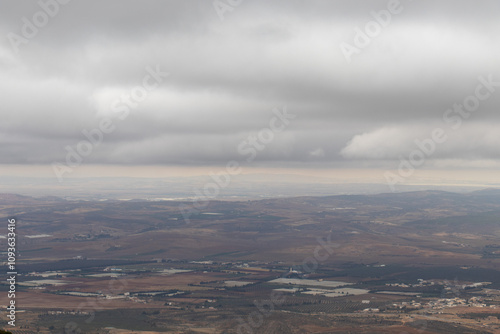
(226, 76)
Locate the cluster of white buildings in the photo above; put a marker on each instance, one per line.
(68, 312)
(454, 302)
(421, 283)
(443, 303)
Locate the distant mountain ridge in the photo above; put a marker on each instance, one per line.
(492, 193)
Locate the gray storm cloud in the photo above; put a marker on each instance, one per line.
(226, 76)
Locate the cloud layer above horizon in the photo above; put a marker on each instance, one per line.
(226, 76)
